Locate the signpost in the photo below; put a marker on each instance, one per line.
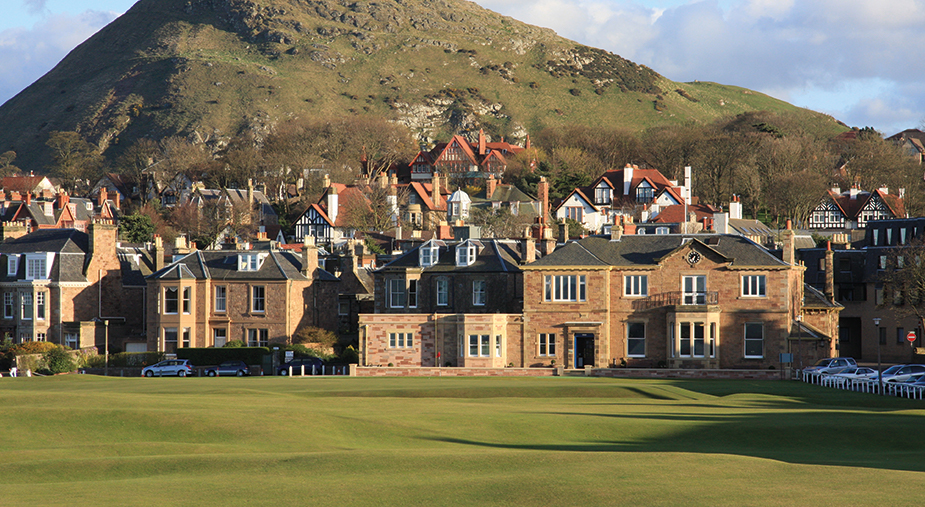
(911, 338)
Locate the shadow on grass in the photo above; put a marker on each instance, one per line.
(811, 437)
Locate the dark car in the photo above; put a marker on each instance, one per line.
(236, 368)
(312, 366)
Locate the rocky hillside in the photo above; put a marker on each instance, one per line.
(210, 69)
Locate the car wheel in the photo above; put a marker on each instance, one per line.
(240, 373)
(283, 372)
(149, 373)
(211, 373)
(181, 373)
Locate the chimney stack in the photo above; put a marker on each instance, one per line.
(481, 142)
(490, 186)
(788, 254)
(563, 231)
(158, 252)
(102, 197)
(542, 194)
(528, 246)
(309, 257)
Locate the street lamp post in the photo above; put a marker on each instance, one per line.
(879, 369)
(799, 319)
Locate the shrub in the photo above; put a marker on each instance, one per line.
(58, 360)
(233, 344)
(312, 334)
(350, 356)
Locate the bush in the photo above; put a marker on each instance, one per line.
(233, 344)
(58, 360)
(311, 334)
(350, 356)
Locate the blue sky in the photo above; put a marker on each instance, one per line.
(858, 60)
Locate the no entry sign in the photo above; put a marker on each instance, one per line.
(911, 337)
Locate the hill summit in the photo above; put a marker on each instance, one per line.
(211, 69)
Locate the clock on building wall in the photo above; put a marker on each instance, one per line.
(693, 257)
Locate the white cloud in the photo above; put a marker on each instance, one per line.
(27, 54)
(35, 6)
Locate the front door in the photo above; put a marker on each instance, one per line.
(584, 350)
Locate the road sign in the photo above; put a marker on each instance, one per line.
(911, 337)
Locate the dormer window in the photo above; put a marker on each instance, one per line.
(644, 193)
(250, 262)
(465, 253)
(12, 265)
(428, 254)
(602, 194)
(37, 266)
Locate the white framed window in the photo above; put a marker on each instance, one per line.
(397, 293)
(250, 262)
(412, 293)
(636, 339)
(691, 339)
(171, 300)
(7, 305)
(478, 293)
(466, 253)
(26, 306)
(565, 288)
(219, 337)
(479, 345)
(754, 340)
(695, 290)
(547, 345)
(187, 293)
(636, 285)
(170, 339)
(258, 338)
(754, 286)
(258, 299)
(498, 345)
(186, 337)
(35, 268)
(40, 305)
(429, 253)
(575, 213)
(71, 340)
(401, 340)
(443, 292)
(221, 298)
(39, 337)
(12, 265)
(662, 230)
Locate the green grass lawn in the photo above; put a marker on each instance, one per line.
(85, 440)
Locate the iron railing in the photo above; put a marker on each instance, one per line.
(676, 299)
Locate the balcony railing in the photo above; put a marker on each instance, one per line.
(677, 299)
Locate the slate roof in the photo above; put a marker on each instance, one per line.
(497, 256)
(223, 265)
(648, 250)
(71, 246)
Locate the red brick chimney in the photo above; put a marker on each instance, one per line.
(490, 186)
(829, 272)
(28, 198)
(481, 142)
(63, 199)
(103, 197)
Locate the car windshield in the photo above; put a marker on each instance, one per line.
(822, 362)
(892, 369)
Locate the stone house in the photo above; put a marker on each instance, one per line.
(448, 303)
(68, 287)
(207, 298)
(684, 301)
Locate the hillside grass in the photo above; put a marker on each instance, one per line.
(438, 441)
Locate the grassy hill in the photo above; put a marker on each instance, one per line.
(210, 69)
(86, 440)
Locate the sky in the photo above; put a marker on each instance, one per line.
(857, 60)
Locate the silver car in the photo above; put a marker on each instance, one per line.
(178, 367)
(831, 366)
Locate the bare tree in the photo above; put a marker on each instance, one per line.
(375, 209)
(74, 160)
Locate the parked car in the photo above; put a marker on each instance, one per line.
(312, 365)
(178, 367)
(831, 366)
(856, 372)
(903, 373)
(236, 368)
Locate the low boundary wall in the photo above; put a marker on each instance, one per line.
(400, 371)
